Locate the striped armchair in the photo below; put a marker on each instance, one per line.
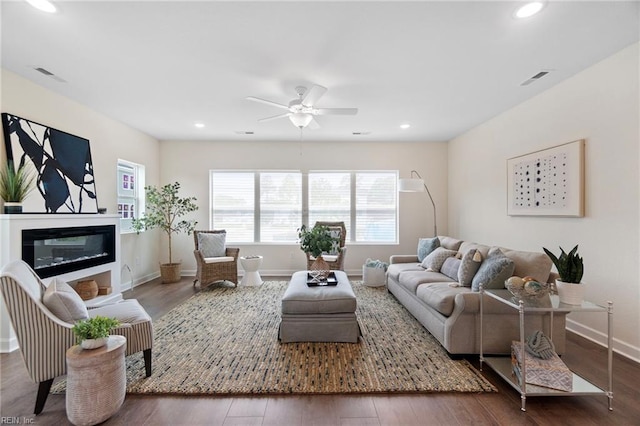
(44, 338)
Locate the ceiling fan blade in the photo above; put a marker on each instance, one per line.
(336, 111)
(312, 96)
(286, 114)
(313, 124)
(264, 101)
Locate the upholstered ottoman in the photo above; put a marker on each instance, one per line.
(319, 314)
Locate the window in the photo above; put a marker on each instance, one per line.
(130, 193)
(269, 206)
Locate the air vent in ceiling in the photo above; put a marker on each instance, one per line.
(360, 133)
(244, 132)
(534, 78)
(49, 74)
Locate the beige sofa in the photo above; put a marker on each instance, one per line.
(451, 312)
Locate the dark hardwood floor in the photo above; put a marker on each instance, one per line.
(18, 394)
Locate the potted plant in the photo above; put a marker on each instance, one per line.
(570, 268)
(318, 240)
(93, 333)
(15, 185)
(163, 209)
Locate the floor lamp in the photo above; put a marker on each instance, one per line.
(417, 185)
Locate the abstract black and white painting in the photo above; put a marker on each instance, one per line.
(62, 163)
(547, 182)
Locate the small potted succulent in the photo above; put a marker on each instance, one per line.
(93, 333)
(570, 269)
(318, 240)
(15, 185)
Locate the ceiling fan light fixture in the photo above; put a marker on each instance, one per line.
(300, 119)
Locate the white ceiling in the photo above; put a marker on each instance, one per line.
(443, 67)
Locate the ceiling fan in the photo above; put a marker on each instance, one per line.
(301, 111)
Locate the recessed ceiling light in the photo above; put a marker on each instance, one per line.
(529, 9)
(405, 126)
(199, 125)
(43, 5)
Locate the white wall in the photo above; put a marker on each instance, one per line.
(109, 141)
(189, 163)
(600, 105)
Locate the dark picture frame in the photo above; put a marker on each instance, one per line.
(61, 161)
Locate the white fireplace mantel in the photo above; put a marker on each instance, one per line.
(11, 226)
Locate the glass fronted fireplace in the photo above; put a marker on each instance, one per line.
(55, 251)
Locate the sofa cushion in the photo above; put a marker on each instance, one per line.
(439, 296)
(426, 246)
(533, 264)
(212, 245)
(64, 302)
(495, 269)
(450, 243)
(412, 279)
(450, 267)
(469, 266)
(395, 269)
(435, 259)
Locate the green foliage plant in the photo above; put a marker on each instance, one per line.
(317, 240)
(15, 185)
(163, 209)
(570, 266)
(94, 328)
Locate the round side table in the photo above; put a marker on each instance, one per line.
(96, 382)
(251, 276)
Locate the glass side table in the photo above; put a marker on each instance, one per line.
(550, 304)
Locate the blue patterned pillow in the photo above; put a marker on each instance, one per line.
(493, 272)
(212, 245)
(426, 246)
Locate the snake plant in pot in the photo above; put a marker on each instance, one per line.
(570, 268)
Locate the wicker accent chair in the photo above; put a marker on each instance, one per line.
(335, 261)
(213, 269)
(44, 338)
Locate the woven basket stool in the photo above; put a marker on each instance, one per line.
(96, 382)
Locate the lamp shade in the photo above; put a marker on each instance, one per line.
(411, 185)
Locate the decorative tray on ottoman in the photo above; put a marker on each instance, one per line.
(315, 281)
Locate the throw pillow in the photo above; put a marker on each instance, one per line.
(469, 266)
(435, 259)
(450, 267)
(212, 245)
(63, 301)
(493, 272)
(426, 246)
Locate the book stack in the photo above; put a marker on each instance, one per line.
(550, 373)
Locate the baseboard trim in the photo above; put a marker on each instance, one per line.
(619, 347)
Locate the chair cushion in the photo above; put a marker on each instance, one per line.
(220, 259)
(493, 272)
(440, 296)
(395, 269)
(212, 245)
(63, 301)
(126, 311)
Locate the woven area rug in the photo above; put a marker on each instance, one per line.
(224, 341)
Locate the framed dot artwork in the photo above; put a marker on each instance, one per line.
(549, 182)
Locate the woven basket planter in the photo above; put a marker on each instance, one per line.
(170, 272)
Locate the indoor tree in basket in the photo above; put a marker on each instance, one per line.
(163, 209)
(318, 240)
(93, 333)
(15, 185)
(570, 268)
